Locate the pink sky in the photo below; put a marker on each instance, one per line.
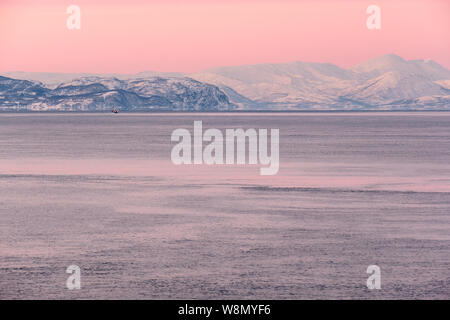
(174, 35)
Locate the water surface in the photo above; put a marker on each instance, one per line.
(100, 191)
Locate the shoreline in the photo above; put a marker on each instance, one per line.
(227, 112)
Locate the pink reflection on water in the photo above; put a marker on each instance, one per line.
(375, 176)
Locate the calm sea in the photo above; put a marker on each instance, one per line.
(100, 191)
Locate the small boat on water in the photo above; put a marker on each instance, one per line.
(115, 110)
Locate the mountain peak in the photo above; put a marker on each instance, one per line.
(382, 63)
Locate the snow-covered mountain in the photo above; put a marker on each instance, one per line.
(103, 94)
(52, 79)
(384, 83)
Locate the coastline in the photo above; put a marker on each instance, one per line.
(228, 111)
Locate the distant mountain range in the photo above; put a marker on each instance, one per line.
(387, 82)
(383, 83)
(104, 94)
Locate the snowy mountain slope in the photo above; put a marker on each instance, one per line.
(285, 83)
(373, 84)
(392, 86)
(52, 79)
(393, 63)
(98, 94)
